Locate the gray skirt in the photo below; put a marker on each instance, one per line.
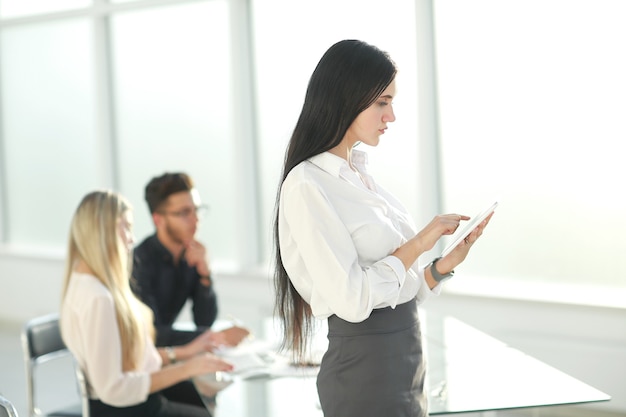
(374, 368)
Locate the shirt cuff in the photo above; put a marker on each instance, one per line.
(397, 267)
(436, 290)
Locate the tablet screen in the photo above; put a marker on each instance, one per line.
(471, 225)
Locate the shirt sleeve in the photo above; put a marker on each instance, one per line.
(142, 285)
(103, 357)
(204, 304)
(424, 292)
(321, 259)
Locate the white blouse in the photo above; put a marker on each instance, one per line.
(90, 331)
(337, 230)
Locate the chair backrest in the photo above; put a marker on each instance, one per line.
(6, 408)
(42, 342)
(42, 337)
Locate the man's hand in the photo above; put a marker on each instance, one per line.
(196, 256)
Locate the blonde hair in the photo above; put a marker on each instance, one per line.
(95, 240)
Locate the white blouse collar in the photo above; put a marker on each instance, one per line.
(334, 164)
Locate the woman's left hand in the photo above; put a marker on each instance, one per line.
(205, 342)
(211, 340)
(231, 336)
(459, 253)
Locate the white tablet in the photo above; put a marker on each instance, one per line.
(471, 225)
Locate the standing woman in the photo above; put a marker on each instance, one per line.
(110, 332)
(347, 251)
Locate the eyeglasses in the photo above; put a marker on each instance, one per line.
(186, 213)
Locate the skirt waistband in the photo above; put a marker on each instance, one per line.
(383, 320)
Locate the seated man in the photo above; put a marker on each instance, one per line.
(171, 266)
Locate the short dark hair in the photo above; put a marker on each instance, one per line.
(161, 187)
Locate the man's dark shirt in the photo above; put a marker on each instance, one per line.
(166, 287)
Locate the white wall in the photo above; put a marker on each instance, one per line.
(588, 343)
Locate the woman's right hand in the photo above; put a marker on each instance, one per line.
(443, 224)
(206, 363)
(201, 364)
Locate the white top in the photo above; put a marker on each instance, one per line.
(90, 331)
(337, 229)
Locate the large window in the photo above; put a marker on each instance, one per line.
(48, 127)
(20, 8)
(529, 105)
(108, 97)
(287, 51)
(532, 103)
(173, 110)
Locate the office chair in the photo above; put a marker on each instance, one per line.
(82, 387)
(41, 342)
(6, 408)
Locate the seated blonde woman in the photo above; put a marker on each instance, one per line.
(110, 331)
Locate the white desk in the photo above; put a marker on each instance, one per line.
(467, 371)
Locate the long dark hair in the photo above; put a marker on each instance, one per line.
(349, 77)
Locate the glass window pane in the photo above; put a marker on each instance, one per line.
(18, 8)
(173, 100)
(533, 98)
(287, 51)
(48, 118)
